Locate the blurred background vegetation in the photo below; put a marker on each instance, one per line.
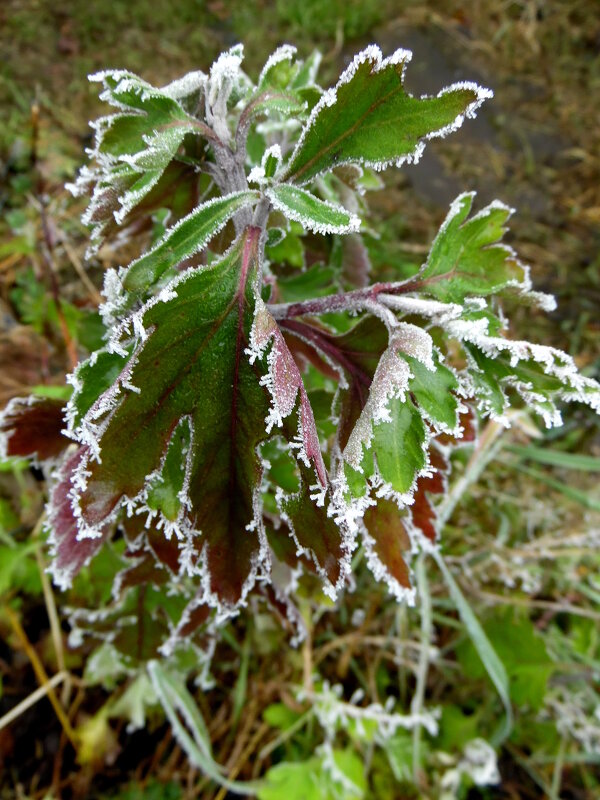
(523, 539)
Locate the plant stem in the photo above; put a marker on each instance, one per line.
(356, 300)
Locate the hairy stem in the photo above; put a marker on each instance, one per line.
(356, 300)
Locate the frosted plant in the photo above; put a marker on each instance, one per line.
(259, 408)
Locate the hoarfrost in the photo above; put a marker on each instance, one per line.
(285, 52)
(225, 76)
(184, 87)
(285, 385)
(373, 54)
(391, 381)
(334, 713)
(310, 222)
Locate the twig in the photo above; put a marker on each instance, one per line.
(48, 259)
(356, 300)
(32, 699)
(41, 675)
(248, 750)
(55, 629)
(307, 654)
(78, 267)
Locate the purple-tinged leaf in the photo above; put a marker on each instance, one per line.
(197, 366)
(326, 543)
(69, 549)
(32, 427)
(422, 512)
(386, 541)
(285, 385)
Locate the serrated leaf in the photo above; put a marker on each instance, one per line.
(368, 118)
(133, 148)
(422, 512)
(314, 214)
(540, 375)
(190, 235)
(191, 366)
(316, 535)
(467, 257)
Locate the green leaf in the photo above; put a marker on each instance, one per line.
(278, 715)
(290, 250)
(489, 658)
(280, 68)
(190, 235)
(390, 430)
(398, 445)
(134, 701)
(434, 391)
(294, 782)
(314, 214)
(133, 147)
(165, 490)
(467, 258)
(456, 728)
(308, 71)
(539, 374)
(317, 281)
(90, 380)
(18, 571)
(369, 118)
(315, 779)
(399, 750)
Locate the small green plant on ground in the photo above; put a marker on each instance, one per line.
(259, 408)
